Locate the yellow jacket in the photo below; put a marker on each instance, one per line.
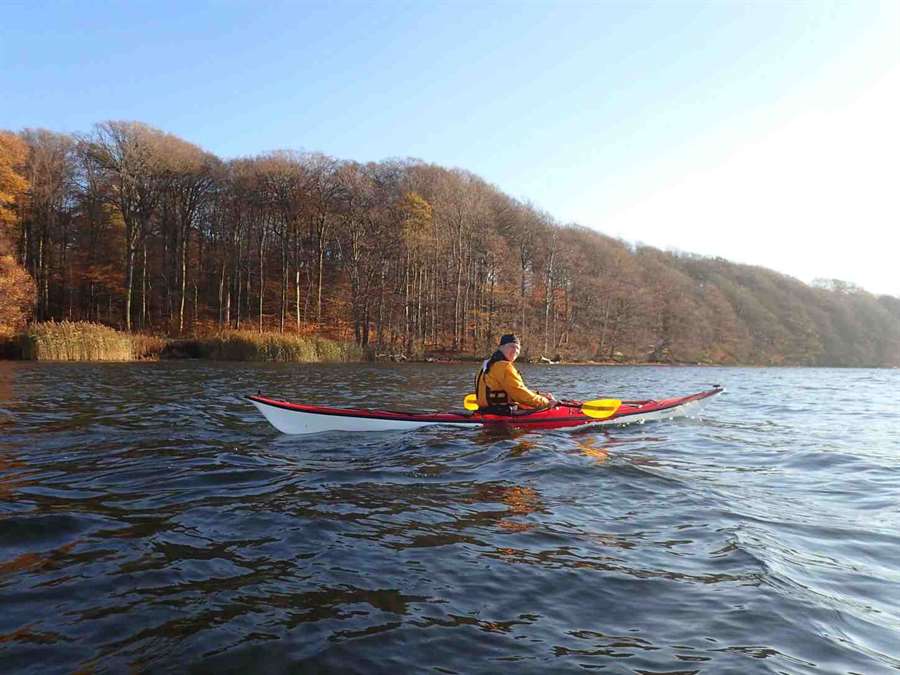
(502, 376)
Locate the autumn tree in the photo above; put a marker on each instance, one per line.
(185, 184)
(128, 154)
(415, 217)
(16, 285)
(47, 221)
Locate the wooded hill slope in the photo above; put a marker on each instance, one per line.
(138, 229)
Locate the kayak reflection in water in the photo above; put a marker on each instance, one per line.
(499, 387)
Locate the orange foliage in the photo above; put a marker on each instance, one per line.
(16, 294)
(17, 288)
(13, 155)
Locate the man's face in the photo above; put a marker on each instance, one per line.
(511, 351)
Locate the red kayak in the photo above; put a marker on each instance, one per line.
(297, 418)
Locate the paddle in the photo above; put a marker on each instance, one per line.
(600, 408)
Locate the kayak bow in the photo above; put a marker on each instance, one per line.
(297, 418)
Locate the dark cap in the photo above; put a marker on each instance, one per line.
(509, 338)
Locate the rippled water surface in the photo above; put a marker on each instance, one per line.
(151, 520)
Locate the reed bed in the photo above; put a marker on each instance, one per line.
(147, 347)
(75, 341)
(84, 341)
(250, 346)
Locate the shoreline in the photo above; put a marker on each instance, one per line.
(425, 362)
(85, 341)
(434, 362)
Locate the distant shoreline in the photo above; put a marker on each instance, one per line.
(83, 341)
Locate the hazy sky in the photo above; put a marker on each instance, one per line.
(763, 132)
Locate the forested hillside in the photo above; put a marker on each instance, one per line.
(141, 230)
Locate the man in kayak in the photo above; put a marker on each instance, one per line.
(499, 387)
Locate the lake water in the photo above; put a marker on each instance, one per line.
(151, 520)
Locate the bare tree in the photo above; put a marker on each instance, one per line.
(129, 155)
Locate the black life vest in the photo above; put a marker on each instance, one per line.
(495, 399)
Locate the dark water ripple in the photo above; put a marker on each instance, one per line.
(150, 520)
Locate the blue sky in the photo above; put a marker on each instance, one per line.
(763, 132)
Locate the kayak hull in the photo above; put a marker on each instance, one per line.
(297, 418)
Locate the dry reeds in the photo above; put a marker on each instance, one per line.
(147, 347)
(250, 346)
(75, 341)
(84, 341)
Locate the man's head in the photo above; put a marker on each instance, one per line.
(510, 345)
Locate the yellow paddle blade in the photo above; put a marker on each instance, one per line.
(601, 408)
(471, 402)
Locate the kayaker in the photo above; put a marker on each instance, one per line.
(499, 387)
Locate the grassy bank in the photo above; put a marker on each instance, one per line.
(250, 346)
(84, 341)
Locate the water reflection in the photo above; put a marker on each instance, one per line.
(490, 435)
(33, 562)
(152, 522)
(13, 476)
(522, 447)
(589, 447)
(522, 501)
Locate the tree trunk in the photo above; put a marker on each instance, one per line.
(521, 326)
(129, 282)
(284, 284)
(239, 281)
(380, 335)
(406, 312)
(548, 299)
(322, 231)
(490, 330)
(262, 241)
(319, 285)
(144, 287)
(297, 293)
(185, 242)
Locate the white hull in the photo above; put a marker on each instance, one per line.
(293, 422)
(304, 422)
(683, 410)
